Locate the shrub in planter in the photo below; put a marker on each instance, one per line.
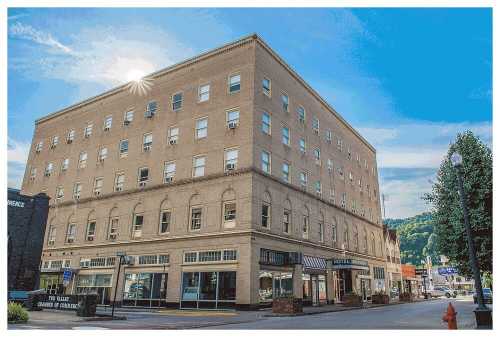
(16, 313)
(352, 300)
(287, 305)
(380, 298)
(405, 297)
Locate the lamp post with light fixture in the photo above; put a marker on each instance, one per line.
(482, 312)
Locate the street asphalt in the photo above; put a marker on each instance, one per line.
(420, 315)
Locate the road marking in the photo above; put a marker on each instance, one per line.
(89, 328)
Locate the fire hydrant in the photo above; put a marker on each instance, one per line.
(450, 317)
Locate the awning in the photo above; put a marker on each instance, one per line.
(314, 263)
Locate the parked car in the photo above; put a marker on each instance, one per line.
(442, 291)
(487, 295)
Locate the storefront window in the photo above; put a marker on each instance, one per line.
(274, 284)
(145, 289)
(209, 289)
(95, 283)
(208, 286)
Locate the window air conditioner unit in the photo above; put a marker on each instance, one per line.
(106, 128)
(147, 148)
(126, 122)
(113, 236)
(47, 174)
(97, 193)
(173, 141)
(148, 114)
(169, 179)
(118, 189)
(70, 240)
(142, 184)
(77, 196)
(69, 141)
(53, 146)
(232, 125)
(230, 167)
(90, 238)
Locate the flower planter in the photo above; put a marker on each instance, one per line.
(406, 297)
(287, 305)
(380, 299)
(352, 300)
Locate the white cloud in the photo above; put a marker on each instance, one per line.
(27, 32)
(17, 156)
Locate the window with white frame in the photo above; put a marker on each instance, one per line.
(285, 102)
(233, 118)
(302, 145)
(165, 219)
(317, 156)
(82, 160)
(285, 135)
(230, 159)
(59, 192)
(332, 194)
(98, 183)
(39, 147)
(234, 83)
(90, 231)
(54, 142)
(173, 135)
(266, 86)
(113, 228)
(343, 200)
(229, 212)
(123, 148)
(334, 232)
(77, 190)
(143, 175)
(266, 161)
(190, 257)
(169, 172)
(285, 172)
(341, 172)
(33, 173)
(303, 179)
(71, 233)
(199, 166)
(301, 114)
(265, 215)
(128, 117)
(317, 187)
(201, 130)
(151, 109)
(108, 121)
(196, 213)
(177, 101)
(287, 216)
(119, 182)
(328, 136)
(103, 153)
(315, 125)
(137, 225)
(321, 231)
(266, 123)
(87, 132)
(65, 164)
(147, 142)
(204, 93)
(329, 164)
(348, 153)
(51, 236)
(70, 137)
(305, 225)
(340, 144)
(49, 169)
(351, 177)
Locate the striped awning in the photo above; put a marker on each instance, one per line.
(314, 263)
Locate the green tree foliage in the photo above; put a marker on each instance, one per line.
(447, 212)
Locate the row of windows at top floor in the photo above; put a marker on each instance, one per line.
(232, 119)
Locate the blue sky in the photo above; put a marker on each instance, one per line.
(407, 79)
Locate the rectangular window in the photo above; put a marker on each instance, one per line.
(329, 136)
(71, 233)
(286, 220)
(119, 182)
(196, 218)
(198, 166)
(59, 193)
(301, 114)
(266, 161)
(70, 137)
(332, 194)
(107, 123)
(148, 259)
(230, 255)
(87, 132)
(266, 86)
(33, 173)
(147, 142)
(266, 123)
(173, 135)
(90, 231)
(229, 212)
(103, 154)
(230, 159)
(204, 93)
(334, 233)
(265, 215)
(285, 172)
(177, 101)
(51, 237)
(82, 161)
(123, 148)
(49, 169)
(164, 259)
(113, 229)
(284, 102)
(143, 174)
(285, 136)
(315, 125)
(151, 108)
(39, 147)
(201, 128)
(54, 142)
(77, 190)
(321, 232)
(209, 256)
(169, 172)
(329, 164)
(128, 117)
(302, 145)
(317, 156)
(340, 144)
(137, 226)
(303, 179)
(317, 187)
(233, 118)
(165, 217)
(98, 183)
(234, 83)
(191, 257)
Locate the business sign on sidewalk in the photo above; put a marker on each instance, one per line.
(447, 271)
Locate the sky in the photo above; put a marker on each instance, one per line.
(407, 79)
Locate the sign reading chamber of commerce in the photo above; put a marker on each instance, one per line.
(447, 271)
(61, 302)
(350, 264)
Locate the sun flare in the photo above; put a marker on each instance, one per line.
(135, 75)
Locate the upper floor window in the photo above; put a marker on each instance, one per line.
(287, 215)
(265, 215)
(177, 101)
(229, 211)
(321, 232)
(284, 102)
(82, 160)
(137, 225)
(165, 218)
(204, 93)
(103, 153)
(315, 125)
(340, 144)
(266, 86)
(143, 174)
(147, 142)
(87, 132)
(330, 164)
(77, 190)
(59, 192)
(230, 159)
(173, 135)
(334, 233)
(113, 228)
(169, 172)
(301, 114)
(317, 156)
(71, 233)
(266, 123)
(196, 213)
(33, 173)
(107, 123)
(98, 183)
(90, 231)
(123, 147)
(328, 136)
(233, 118)
(234, 83)
(285, 172)
(51, 236)
(285, 136)
(305, 225)
(198, 166)
(55, 141)
(317, 187)
(70, 137)
(65, 164)
(266, 161)
(303, 179)
(128, 117)
(49, 169)
(119, 182)
(39, 147)
(151, 109)
(201, 128)
(302, 145)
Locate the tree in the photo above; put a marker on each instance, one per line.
(447, 212)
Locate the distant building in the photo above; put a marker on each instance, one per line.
(393, 261)
(412, 283)
(27, 217)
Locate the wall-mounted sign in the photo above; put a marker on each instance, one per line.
(421, 271)
(62, 302)
(350, 264)
(15, 203)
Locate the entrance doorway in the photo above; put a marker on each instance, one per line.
(366, 291)
(345, 280)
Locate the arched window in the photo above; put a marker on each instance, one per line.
(287, 217)
(90, 234)
(373, 245)
(356, 238)
(113, 224)
(195, 213)
(71, 229)
(165, 217)
(305, 222)
(137, 221)
(365, 240)
(265, 211)
(334, 231)
(229, 208)
(346, 236)
(321, 227)
(51, 232)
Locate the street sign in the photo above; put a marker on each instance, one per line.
(447, 271)
(67, 274)
(421, 272)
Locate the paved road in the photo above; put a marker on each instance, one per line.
(423, 315)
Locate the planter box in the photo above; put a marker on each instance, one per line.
(352, 300)
(406, 297)
(380, 299)
(287, 305)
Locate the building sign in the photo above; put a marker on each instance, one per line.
(421, 271)
(447, 271)
(15, 203)
(408, 271)
(61, 302)
(350, 264)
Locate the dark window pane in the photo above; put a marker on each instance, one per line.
(208, 285)
(227, 286)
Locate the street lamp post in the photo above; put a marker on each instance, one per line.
(482, 312)
(121, 256)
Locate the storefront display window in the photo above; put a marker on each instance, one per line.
(274, 284)
(208, 290)
(52, 283)
(145, 289)
(95, 283)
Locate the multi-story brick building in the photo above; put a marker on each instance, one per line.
(212, 182)
(393, 255)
